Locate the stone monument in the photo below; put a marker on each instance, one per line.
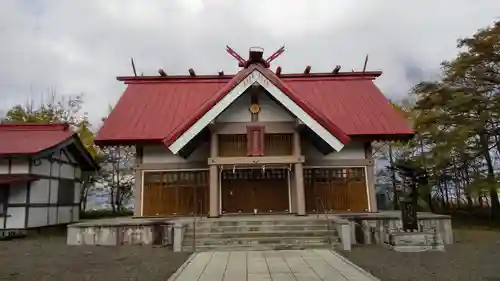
(412, 237)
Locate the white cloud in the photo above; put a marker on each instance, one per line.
(81, 46)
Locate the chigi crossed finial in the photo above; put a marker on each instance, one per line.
(255, 56)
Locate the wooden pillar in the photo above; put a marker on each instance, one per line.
(299, 190)
(370, 179)
(292, 190)
(138, 182)
(300, 198)
(214, 178)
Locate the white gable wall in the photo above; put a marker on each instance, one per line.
(41, 167)
(255, 77)
(270, 110)
(238, 111)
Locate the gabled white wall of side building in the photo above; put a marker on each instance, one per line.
(41, 205)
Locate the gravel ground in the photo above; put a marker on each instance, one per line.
(48, 258)
(475, 256)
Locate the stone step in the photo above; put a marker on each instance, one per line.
(297, 240)
(267, 247)
(258, 234)
(253, 228)
(219, 223)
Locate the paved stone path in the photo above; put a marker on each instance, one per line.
(298, 265)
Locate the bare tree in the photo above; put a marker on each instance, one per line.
(117, 174)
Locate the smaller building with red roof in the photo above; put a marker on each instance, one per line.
(41, 167)
(259, 141)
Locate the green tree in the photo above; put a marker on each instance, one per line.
(456, 123)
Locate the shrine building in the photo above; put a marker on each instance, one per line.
(258, 141)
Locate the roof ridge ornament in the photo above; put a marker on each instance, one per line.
(255, 56)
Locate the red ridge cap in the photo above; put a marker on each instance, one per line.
(356, 74)
(34, 126)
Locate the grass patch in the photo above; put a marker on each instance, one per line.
(461, 221)
(476, 223)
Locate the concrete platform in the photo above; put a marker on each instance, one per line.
(350, 228)
(297, 265)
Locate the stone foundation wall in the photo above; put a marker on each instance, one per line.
(113, 235)
(377, 230)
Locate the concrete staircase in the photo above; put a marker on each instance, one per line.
(260, 234)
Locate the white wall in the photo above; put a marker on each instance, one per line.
(18, 166)
(52, 217)
(270, 111)
(42, 192)
(41, 167)
(238, 111)
(53, 191)
(353, 150)
(39, 191)
(17, 193)
(38, 216)
(161, 154)
(16, 217)
(64, 215)
(4, 166)
(67, 171)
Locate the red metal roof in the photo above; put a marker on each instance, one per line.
(356, 105)
(30, 138)
(152, 111)
(310, 110)
(162, 108)
(15, 178)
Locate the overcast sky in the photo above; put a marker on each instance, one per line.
(76, 47)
